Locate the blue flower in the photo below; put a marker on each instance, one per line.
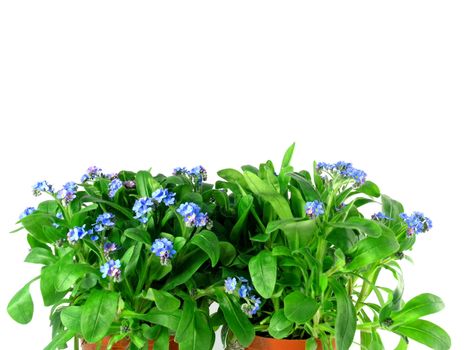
(343, 169)
(109, 247)
(111, 269)
(180, 171)
(314, 209)
(94, 238)
(114, 186)
(92, 173)
(142, 208)
(417, 223)
(111, 176)
(163, 195)
(129, 184)
(104, 221)
(192, 215)
(380, 216)
(41, 186)
(230, 284)
(68, 192)
(27, 212)
(76, 234)
(243, 291)
(251, 306)
(163, 248)
(199, 174)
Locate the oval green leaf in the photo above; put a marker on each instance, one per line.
(263, 272)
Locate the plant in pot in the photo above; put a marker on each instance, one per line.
(126, 260)
(314, 259)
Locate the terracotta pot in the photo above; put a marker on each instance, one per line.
(261, 343)
(124, 345)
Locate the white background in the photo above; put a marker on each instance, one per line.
(134, 85)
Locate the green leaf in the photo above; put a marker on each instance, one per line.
(375, 342)
(368, 227)
(299, 308)
(311, 344)
(426, 333)
(369, 188)
(128, 213)
(71, 318)
(236, 319)
(68, 274)
(279, 325)
(186, 269)
(138, 235)
(60, 340)
(403, 345)
(40, 227)
(421, 305)
(299, 232)
(309, 192)
(232, 175)
(131, 257)
(208, 242)
(40, 255)
(288, 156)
(372, 249)
(243, 209)
(186, 320)
(49, 294)
(346, 318)
(263, 272)
(228, 253)
(166, 319)
(145, 183)
(161, 340)
(268, 194)
(21, 307)
(98, 313)
(164, 301)
(391, 207)
(199, 334)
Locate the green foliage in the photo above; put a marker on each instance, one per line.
(295, 272)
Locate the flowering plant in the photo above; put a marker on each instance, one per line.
(125, 255)
(314, 258)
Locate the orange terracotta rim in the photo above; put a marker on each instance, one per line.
(124, 344)
(263, 343)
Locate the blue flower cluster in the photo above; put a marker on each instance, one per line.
(314, 209)
(163, 248)
(41, 186)
(198, 173)
(379, 216)
(109, 247)
(114, 186)
(92, 173)
(163, 195)
(142, 208)
(77, 233)
(68, 192)
(192, 215)
(27, 212)
(344, 169)
(242, 287)
(111, 269)
(104, 221)
(417, 223)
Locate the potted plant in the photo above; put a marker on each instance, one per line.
(127, 259)
(313, 258)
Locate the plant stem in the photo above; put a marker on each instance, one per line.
(76, 343)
